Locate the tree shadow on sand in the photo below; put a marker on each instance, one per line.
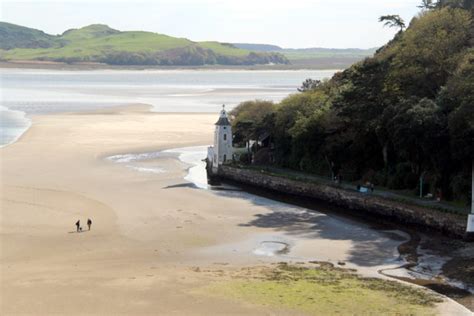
(370, 247)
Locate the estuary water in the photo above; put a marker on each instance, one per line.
(25, 92)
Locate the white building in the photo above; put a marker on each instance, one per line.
(222, 150)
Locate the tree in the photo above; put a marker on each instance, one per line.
(393, 21)
(309, 84)
(427, 4)
(464, 4)
(243, 133)
(428, 52)
(457, 100)
(406, 112)
(250, 120)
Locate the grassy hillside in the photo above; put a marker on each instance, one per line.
(224, 49)
(330, 57)
(258, 47)
(323, 57)
(91, 31)
(100, 43)
(14, 36)
(308, 53)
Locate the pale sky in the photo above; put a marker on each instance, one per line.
(289, 23)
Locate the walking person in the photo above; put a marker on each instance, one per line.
(89, 223)
(78, 225)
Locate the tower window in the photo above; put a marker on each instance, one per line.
(225, 136)
(225, 158)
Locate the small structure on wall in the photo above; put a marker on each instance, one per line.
(222, 150)
(470, 218)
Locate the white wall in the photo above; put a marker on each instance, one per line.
(223, 143)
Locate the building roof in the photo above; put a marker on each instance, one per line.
(223, 120)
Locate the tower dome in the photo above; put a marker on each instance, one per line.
(223, 118)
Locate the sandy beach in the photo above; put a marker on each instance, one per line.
(152, 233)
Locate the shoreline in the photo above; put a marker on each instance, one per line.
(405, 270)
(30, 91)
(27, 122)
(149, 230)
(416, 216)
(98, 66)
(416, 269)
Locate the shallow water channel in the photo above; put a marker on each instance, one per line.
(427, 259)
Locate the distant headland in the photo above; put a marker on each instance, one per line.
(99, 46)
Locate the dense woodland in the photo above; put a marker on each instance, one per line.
(405, 113)
(192, 55)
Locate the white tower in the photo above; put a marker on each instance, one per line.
(222, 150)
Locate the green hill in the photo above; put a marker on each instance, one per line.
(336, 58)
(318, 52)
(88, 32)
(14, 36)
(306, 53)
(258, 47)
(330, 57)
(100, 43)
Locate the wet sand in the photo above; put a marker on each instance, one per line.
(150, 229)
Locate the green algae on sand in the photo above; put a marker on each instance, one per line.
(324, 290)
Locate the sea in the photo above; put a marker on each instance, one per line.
(27, 92)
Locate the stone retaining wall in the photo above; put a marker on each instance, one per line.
(352, 201)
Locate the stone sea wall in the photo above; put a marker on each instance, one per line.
(354, 202)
